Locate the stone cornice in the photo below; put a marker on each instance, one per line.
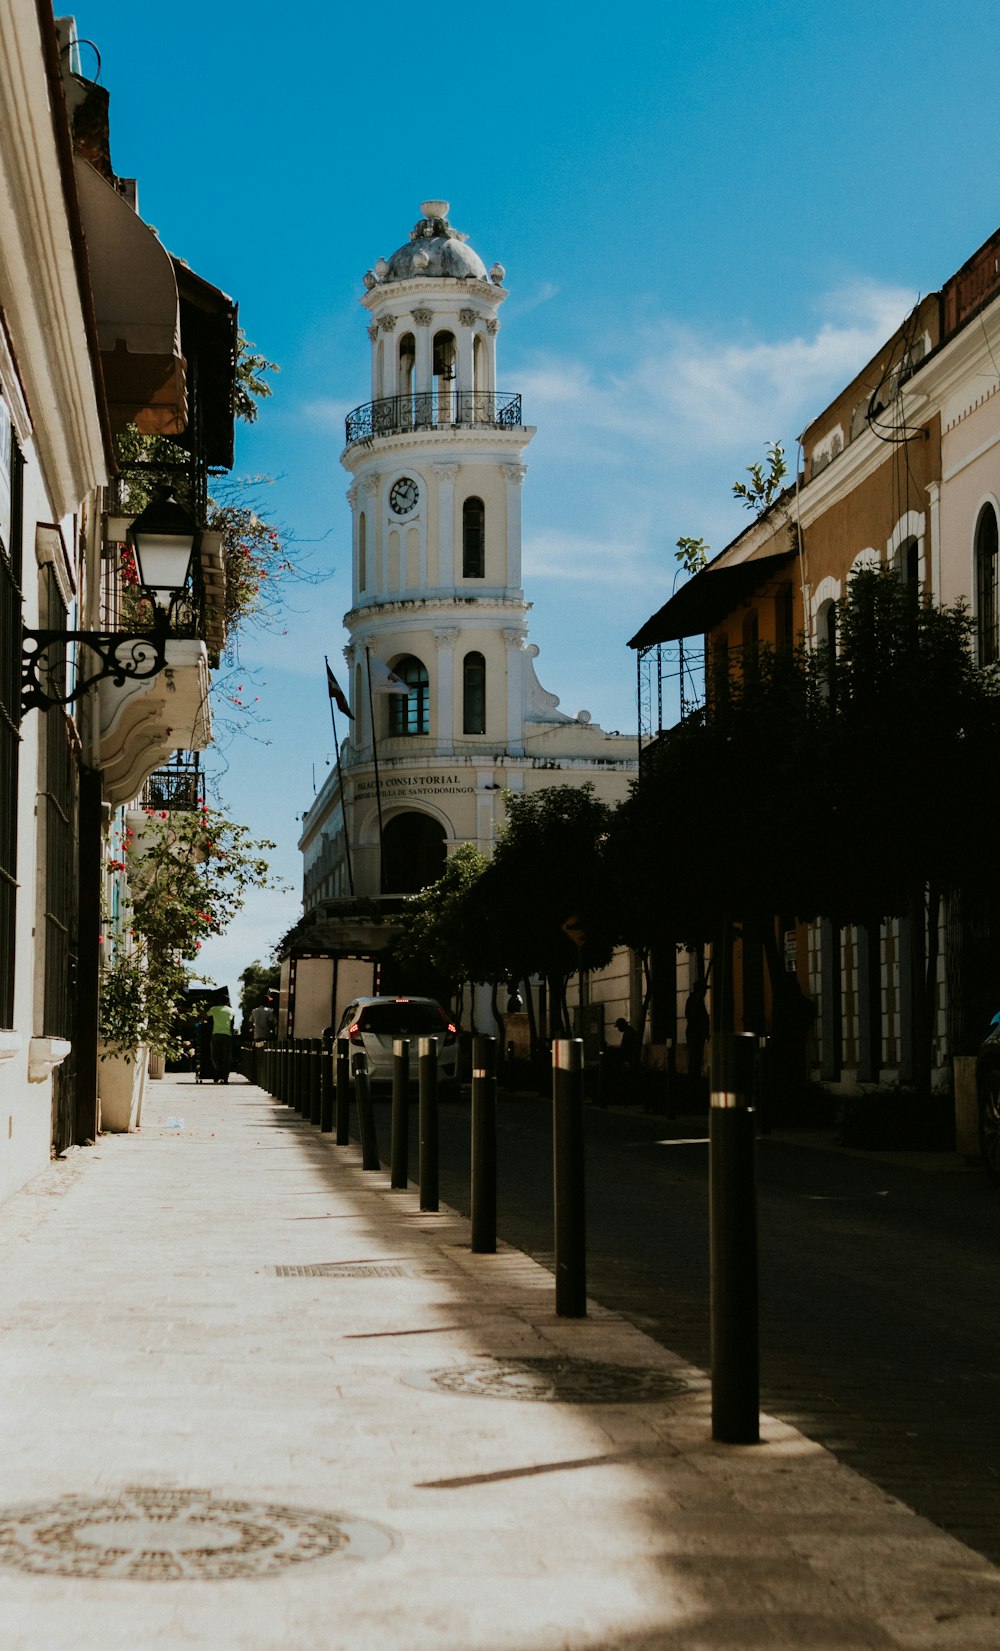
(473, 440)
(424, 286)
(433, 606)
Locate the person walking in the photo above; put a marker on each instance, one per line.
(223, 1024)
(697, 1028)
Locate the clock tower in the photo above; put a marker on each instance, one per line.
(447, 711)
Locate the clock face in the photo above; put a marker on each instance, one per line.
(403, 495)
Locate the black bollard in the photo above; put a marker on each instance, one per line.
(568, 1178)
(315, 1080)
(326, 1083)
(284, 1073)
(484, 1146)
(366, 1115)
(428, 1122)
(400, 1150)
(296, 1077)
(343, 1092)
(732, 1203)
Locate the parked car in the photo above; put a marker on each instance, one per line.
(372, 1024)
(988, 1091)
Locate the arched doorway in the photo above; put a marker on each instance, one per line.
(413, 853)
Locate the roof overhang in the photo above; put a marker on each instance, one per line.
(706, 599)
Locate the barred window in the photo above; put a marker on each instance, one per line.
(474, 694)
(473, 539)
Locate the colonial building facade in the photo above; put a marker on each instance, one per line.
(902, 468)
(436, 460)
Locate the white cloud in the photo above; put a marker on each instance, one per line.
(553, 554)
(697, 392)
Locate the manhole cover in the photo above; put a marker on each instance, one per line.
(345, 1269)
(142, 1535)
(561, 1381)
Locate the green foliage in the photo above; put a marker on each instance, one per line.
(436, 935)
(692, 554)
(760, 492)
(189, 874)
(256, 980)
(250, 386)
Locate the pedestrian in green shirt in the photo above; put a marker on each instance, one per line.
(223, 1024)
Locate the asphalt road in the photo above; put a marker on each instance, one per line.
(879, 1284)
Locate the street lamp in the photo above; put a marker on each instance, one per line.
(162, 538)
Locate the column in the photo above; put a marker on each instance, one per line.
(513, 643)
(423, 372)
(446, 475)
(443, 710)
(514, 475)
(467, 322)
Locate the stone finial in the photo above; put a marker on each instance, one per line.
(497, 274)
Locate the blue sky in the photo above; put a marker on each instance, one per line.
(709, 216)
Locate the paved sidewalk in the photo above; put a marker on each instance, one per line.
(254, 1400)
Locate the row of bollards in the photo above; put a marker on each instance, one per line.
(317, 1077)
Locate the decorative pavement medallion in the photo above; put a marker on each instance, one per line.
(554, 1380)
(148, 1535)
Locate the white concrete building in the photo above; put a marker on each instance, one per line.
(436, 460)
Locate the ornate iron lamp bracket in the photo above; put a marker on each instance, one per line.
(122, 657)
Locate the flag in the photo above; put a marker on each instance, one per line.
(337, 693)
(384, 681)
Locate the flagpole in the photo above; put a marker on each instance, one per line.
(378, 787)
(340, 782)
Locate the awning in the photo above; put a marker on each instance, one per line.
(706, 599)
(138, 316)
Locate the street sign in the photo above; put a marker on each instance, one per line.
(572, 928)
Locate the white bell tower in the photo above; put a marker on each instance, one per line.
(436, 460)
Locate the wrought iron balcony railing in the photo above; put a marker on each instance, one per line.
(180, 786)
(434, 410)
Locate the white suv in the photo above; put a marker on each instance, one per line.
(372, 1024)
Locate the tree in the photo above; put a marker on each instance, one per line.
(543, 901)
(826, 784)
(189, 873)
(256, 980)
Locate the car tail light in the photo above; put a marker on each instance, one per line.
(450, 1029)
(354, 1033)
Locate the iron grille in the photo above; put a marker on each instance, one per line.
(434, 409)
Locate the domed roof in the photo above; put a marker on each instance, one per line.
(433, 250)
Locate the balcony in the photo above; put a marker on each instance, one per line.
(444, 409)
(180, 786)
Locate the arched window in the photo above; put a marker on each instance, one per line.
(407, 358)
(362, 553)
(413, 852)
(987, 604)
(480, 368)
(474, 694)
(412, 714)
(473, 539)
(444, 359)
(907, 561)
(826, 632)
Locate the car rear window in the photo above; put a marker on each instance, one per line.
(402, 1019)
